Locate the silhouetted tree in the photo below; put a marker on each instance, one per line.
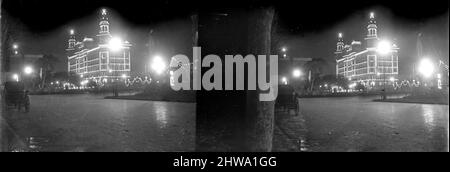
(316, 67)
(46, 64)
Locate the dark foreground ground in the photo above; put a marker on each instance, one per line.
(359, 124)
(91, 123)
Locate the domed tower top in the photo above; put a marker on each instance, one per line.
(340, 43)
(72, 40)
(104, 33)
(104, 24)
(372, 26)
(372, 34)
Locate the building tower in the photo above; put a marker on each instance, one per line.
(71, 41)
(104, 35)
(372, 36)
(340, 44)
(339, 50)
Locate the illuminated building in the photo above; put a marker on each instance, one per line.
(364, 62)
(101, 58)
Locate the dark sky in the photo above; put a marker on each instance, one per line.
(307, 28)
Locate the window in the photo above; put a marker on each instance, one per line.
(103, 54)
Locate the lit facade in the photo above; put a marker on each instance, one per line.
(363, 62)
(95, 58)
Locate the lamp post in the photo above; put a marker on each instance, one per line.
(16, 77)
(284, 52)
(158, 65)
(28, 70)
(426, 68)
(384, 47)
(296, 73)
(15, 48)
(284, 80)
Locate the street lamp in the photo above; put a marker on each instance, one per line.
(426, 67)
(15, 48)
(284, 80)
(158, 65)
(16, 77)
(384, 47)
(296, 73)
(115, 44)
(392, 79)
(28, 70)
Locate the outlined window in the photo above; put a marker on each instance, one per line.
(104, 54)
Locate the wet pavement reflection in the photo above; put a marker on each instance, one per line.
(90, 123)
(358, 124)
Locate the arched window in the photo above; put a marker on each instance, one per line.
(372, 32)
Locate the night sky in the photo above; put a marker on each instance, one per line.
(308, 29)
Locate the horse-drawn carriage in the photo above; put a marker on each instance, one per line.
(15, 95)
(287, 99)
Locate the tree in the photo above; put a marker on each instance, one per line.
(73, 78)
(316, 67)
(46, 64)
(70, 77)
(342, 82)
(360, 87)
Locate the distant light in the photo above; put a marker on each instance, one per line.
(84, 82)
(15, 46)
(158, 65)
(438, 76)
(284, 49)
(392, 79)
(426, 67)
(378, 73)
(296, 73)
(124, 76)
(284, 80)
(372, 15)
(16, 52)
(326, 85)
(110, 71)
(72, 32)
(15, 77)
(115, 44)
(28, 70)
(384, 47)
(103, 11)
(353, 85)
(284, 55)
(340, 35)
